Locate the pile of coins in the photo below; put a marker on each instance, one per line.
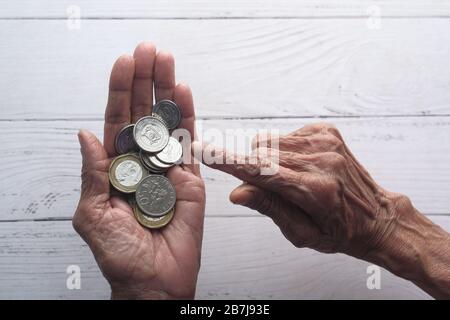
(146, 151)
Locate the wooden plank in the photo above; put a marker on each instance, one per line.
(243, 258)
(41, 162)
(237, 68)
(221, 8)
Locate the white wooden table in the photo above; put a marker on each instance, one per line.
(385, 83)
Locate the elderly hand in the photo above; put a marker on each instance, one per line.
(321, 197)
(141, 263)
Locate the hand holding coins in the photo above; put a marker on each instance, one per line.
(125, 195)
(146, 151)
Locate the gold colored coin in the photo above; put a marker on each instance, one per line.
(126, 172)
(150, 222)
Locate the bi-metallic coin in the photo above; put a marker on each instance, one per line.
(126, 172)
(150, 222)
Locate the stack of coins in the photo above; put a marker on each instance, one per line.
(145, 152)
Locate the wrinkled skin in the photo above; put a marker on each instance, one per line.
(321, 197)
(137, 262)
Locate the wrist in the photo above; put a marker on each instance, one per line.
(415, 249)
(141, 292)
(127, 292)
(120, 294)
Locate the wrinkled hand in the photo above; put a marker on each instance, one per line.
(320, 197)
(139, 263)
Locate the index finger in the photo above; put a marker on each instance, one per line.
(257, 170)
(299, 187)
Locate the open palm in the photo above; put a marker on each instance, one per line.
(137, 262)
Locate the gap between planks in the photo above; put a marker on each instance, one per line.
(214, 118)
(226, 216)
(331, 17)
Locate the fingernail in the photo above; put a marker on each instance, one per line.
(243, 197)
(82, 134)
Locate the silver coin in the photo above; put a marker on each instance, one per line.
(128, 173)
(172, 153)
(151, 134)
(154, 160)
(169, 111)
(125, 140)
(146, 159)
(155, 195)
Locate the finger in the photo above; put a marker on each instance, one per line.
(94, 174)
(296, 161)
(183, 98)
(263, 140)
(258, 171)
(142, 101)
(316, 143)
(117, 113)
(330, 162)
(291, 143)
(164, 76)
(295, 224)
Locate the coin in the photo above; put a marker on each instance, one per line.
(150, 222)
(150, 165)
(169, 111)
(125, 140)
(151, 134)
(154, 160)
(155, 195)
(172, 153)
(126, 172)
(159, 117)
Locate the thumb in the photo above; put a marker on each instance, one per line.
(295, 224)
(256, 198)
(94, 172)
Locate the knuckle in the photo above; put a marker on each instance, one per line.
(334, 131)
(335, 160)
(401, 202)
(333, 143)
(76, 223)
(332, 190)
(312, 128)
(320, 127)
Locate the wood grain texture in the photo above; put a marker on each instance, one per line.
(243, 258)
(221, 8)
(41, 162)
(237, 68)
